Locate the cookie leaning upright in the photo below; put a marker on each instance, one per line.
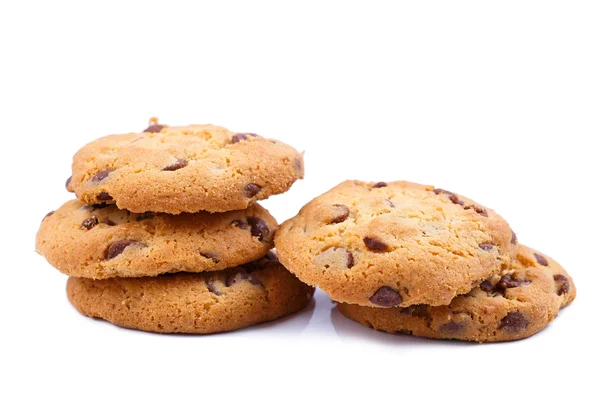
(183, 169)
(394, 244)
(514, 304)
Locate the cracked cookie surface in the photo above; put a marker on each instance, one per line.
(512, 305)
(102, 241)
(183, 169)
(204, 302)
(394, 244)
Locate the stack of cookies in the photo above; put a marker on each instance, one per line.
(165, 234)
(406, 258)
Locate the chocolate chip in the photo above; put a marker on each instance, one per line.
(416, 310)
(240, 137)
(541, 259)
(453, 197)
(342, 212)
(486, 246)
(349, 259)
(389, 203)
(379, 185)
(385, 296)
(438, 191)
(211, 286)
(99, 206)
(235, 278)
(180, 163)
(513, 239)
(508, 282)
(47, 215)
(68, 182)
(103, 196)
(258, 228)
(375, 244)
(252, 189)
(487, 286)
(155, 128)
(117, 248)
(477, 209)
(100, 176)
(143, 216)
(239, 224)
(299, 166)
(108, 222)
(562, 284)
(514, 322)
(89, 223)
(211, 256)
(450, 327)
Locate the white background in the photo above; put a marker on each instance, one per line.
(497, 101)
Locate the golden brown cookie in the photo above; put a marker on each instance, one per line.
(515, 304)
(394, 244)
(183, 169)
(103, 242)
(205, 302)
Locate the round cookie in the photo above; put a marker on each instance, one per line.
(102, 241)
(183, 169)
(206, 302)
(513, 305)
(394, 244)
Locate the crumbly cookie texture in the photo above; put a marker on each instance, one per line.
(183, 169)
(515, 304)
(206, 302)
(102, 241)
(394, 244)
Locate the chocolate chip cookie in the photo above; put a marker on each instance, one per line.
(205, 302)
(394, 244)
(515, 304)
(102, 241)
(183, 169)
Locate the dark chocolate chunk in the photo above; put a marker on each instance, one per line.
(252, 189)
(375, 244)
(508, 282)
(155, 128)
(180, 163)
(258, 228)
(89, 223)
(239, 224)
(385, 296)
(240, 137)
(211, 256)
(379, 185)
(514, 322)
(103, 196)
(211, 286)
(342, 212)
(100, 176)
(562, 284)
(117, 248)
(541, 259)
